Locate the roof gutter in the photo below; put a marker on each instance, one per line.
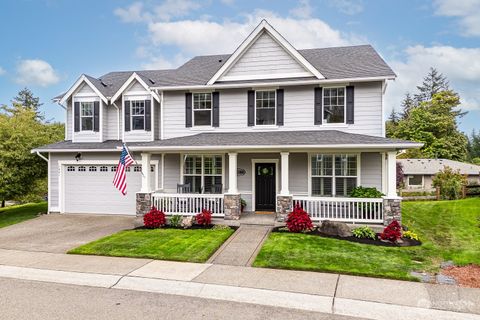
(270, 83)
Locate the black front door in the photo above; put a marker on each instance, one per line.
(265, 186)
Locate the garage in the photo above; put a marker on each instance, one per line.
(89, 189)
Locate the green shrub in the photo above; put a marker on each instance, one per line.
(450, 183)
(417, 193)
(364, 192)
(410, 235)
(175, 221)
(220, 227)
(364, 232)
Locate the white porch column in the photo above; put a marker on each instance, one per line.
(146, 176)
(232, 173)
(285, 173)
(391, 174)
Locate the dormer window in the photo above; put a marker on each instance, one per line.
(138, 114)
(202, 109)
(86, 116)
(265, 105)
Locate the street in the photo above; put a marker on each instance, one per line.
(21, 299)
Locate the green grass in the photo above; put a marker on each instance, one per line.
(20, 213)
(448, 229)
(193, 245)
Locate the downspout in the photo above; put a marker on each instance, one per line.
(161, 113)
(118, 120)
(48, 178)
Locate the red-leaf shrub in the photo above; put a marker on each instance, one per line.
(204, 218)
(392, 232)
(298, 220)
(154, 219)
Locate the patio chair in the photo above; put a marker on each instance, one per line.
(216, 188)
(184, 188)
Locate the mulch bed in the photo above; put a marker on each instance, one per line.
(377, 242)
(466, 276)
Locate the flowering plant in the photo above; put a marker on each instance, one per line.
(392, 232)
(298, 220)
(154, 219)
(204, 218)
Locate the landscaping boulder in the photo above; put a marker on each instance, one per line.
(187, 222)
(335, 228)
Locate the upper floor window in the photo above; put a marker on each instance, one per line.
(265, 102)
(138, 114)
(86, 116)
(334, 105)
(202, 109)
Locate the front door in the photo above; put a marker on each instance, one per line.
(265, 186)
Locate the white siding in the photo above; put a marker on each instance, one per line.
(136, 92)
(265, 59)
(85, 89)
(172, 172)
(69, 120)
(298, 111)
(371, 170)
(111, 123)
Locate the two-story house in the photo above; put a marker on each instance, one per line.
(268, 124)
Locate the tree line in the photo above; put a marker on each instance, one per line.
(23, 175)
(431, 115)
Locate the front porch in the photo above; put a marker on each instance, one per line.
(274, 182)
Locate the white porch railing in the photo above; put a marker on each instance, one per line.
(188, 203)
(361, 210)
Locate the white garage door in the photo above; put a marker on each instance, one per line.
(89, 189)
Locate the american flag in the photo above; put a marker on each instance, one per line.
(120, 179)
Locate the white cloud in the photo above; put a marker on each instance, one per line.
(228, 2)
(460, 65)
(166, 11)
(36, 72)
(349, 7)
(303, 11)
(468, 11)
(2, 71)
(132, 13)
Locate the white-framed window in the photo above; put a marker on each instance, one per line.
(92, 169)
(86, 116)
(82, 169)
(103, 169)
(333, 174)
(137, 169)
(265, 107)
(203, 172)
(415, 181)
(334, 105)
(70, 168)
(113, 168)
(202, 109)
(137, 114)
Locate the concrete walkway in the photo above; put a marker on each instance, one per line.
(310, 291)
(242, 247)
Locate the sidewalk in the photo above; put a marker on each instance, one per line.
(320, 292)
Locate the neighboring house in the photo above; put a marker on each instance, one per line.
(419, 173)
(269, 123)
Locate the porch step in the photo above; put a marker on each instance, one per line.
(242, 247)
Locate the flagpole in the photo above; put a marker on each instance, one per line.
(128, 150)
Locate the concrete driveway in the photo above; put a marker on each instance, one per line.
(59, 233)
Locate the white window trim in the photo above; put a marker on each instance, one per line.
(131, 115)
(182, 164)
(359, 169)
(211, 111)
(92, 116)
(95, 136)
(62, 165)
(337, 124)
(416, 186)
(277, 176)
(274, 125)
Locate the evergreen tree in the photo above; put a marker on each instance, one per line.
(474, 146)
(408, 103)
(28, 100)
(434, 82)
(393, 117)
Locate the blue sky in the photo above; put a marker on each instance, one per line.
(47, 44)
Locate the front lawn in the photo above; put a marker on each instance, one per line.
(20, 213)
(193, 245)
(448, 229)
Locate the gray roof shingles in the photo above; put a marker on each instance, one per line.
(333, 63)
(432, 166)
(222, 139)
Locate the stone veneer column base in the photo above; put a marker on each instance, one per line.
(232, 207)
(284, 207)
(144, 203)
(392, 210)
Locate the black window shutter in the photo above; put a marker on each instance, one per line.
(148, 115)
(216, 109)
(188, 109)
(76, 115)
(280, 107)
(127, 115)
(318, 105)
(350, 104)
(96, 116)
(251, 108)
